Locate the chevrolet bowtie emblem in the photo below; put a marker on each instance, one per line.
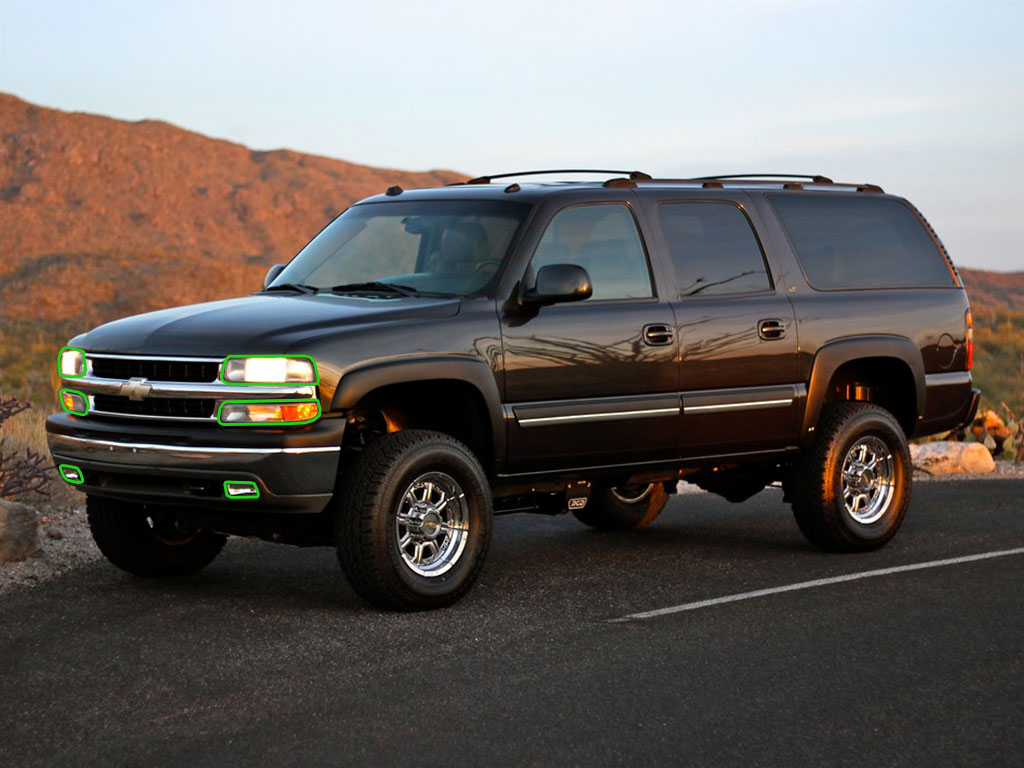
(136, 389)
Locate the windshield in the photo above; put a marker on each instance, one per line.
(440, 247)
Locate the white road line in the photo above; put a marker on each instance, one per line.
(816, 583)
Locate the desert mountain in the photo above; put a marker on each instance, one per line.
(101, 218)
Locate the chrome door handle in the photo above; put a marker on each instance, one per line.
(771, 329)
(658, 335)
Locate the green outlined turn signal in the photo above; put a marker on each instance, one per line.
(255, 413)
(74, 402)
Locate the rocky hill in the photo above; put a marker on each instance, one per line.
(100, 218)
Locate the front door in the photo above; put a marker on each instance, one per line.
(594, 382)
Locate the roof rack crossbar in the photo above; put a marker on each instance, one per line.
(635, 175)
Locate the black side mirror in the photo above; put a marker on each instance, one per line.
(272, 274)
(557, 283)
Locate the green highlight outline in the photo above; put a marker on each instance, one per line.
(85, 397)
(241, 498)
(85, 363)
(271, 401)
(315, 382)
(65, 478)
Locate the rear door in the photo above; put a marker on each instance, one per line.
(593, 382)
(737, 338)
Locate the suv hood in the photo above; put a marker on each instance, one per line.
(258, 324)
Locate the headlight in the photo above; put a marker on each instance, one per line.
(255, 412)
(268, 369)
(71, 362)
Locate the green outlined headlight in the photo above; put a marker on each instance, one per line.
(71, 362)
(268, 370)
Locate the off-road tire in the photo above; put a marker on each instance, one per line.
(607, 510)
(144, 543)
(366, 509)
(814, 484)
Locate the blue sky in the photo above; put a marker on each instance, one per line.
(924, 98)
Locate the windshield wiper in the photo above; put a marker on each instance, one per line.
(375, 286)
(300, 287)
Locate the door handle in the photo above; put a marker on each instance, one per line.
(658, 335)
(771, 328)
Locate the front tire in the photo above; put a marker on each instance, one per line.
(851, 488)
(413, 521)
(628, 508)
(149, 542)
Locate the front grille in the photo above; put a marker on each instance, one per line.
(156, 406)
(155, 370)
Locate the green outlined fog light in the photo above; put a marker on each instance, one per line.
(241, 489)
(70, 473)
(74, 402)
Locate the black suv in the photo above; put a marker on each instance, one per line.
(435, 357)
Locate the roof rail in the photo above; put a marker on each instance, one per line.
(719, 182)
(632, 175)
(815, 178)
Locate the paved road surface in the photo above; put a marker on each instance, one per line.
(267, 658)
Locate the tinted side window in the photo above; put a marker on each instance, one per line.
(713, 248)
(604, 241)
(864, 242)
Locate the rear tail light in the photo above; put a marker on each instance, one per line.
(969, 335)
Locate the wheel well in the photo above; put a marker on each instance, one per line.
(453, 407)
(885, 381)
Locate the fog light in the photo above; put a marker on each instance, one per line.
(241, 489)
(74, 402)
(71, 474)
(255, 412)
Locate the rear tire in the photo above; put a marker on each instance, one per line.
(623, 509)
(851, 488)
(147, 542)
(413, 520)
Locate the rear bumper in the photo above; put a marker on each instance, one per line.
(952, 401)
(295, 471)
(971, 412)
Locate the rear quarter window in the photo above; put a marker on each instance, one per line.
(861, 242)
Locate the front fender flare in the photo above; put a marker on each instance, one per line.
(356, 384)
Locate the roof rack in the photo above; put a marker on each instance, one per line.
(741, 180)
(631, 175)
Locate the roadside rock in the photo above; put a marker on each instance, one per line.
(947, 458)
(19, 531)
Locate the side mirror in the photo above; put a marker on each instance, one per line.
(557, 283)
(272, 274)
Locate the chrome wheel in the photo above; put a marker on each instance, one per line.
(632, 494)
(868, 480)
(432, 525)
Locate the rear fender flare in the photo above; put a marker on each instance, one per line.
(834, 354)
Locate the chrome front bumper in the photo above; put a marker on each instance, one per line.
(167, 455)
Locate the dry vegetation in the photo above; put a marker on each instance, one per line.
(103, 218)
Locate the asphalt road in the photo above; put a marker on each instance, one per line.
(267, 657)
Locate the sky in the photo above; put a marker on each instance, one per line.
(925, 99)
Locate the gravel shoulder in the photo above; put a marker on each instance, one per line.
(64, 544)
